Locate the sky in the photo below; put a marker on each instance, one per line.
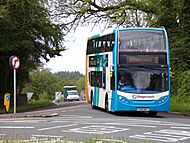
(73, 59)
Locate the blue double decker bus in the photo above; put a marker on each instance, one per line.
(128, 69)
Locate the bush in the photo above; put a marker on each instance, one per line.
(181, 87)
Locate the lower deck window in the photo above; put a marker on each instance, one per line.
(96, 78)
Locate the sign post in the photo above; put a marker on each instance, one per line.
(14, 62)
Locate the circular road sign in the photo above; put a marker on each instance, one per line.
(14, 62)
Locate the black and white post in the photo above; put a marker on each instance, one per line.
(14, 62)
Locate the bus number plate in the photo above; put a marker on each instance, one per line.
(142, 109)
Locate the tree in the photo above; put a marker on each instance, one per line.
(27, 31)
(72, 78)
(69, 76)
(80, 83)
(118, 12)
(43, 82)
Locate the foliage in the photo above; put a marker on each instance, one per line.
(180, 107)
(72, 78)
(182, 88)
(43, 84)
(174, 16)
(80, 83)
(67, 76)
(27, 31)
(76, 12)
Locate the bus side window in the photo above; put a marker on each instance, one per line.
(112, 42)
(92, 78)
(99, 79)
(89, 47)
(93, 46)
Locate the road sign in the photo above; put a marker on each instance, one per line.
(57, 95)
(7, 97)
(14, 62)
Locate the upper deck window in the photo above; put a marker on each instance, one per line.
(101, 44)
(142, 40)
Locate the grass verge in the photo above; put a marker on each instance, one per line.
(29, 106)
(180, 104)
(180, 107)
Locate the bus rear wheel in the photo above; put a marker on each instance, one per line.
(91, 102)
(106, 104)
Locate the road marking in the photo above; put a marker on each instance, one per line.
(15, 127)
(76, 117)
(121, 124)
(184, 128)
(47, 136)
(167, 135)
(22, 121)
(108, 140)
(174, 132)
(97, 129)
(56, 127)
(71, 110)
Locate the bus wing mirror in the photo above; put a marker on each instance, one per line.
(111, 68)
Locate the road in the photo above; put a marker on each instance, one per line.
(76, 121)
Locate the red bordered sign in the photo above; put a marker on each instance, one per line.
(14, 62)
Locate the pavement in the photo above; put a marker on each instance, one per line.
(45, 112)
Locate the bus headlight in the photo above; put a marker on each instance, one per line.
(162, 99)
(123, 99)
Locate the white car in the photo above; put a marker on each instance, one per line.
(72, 95)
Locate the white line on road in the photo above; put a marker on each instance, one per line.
(94, 129)
(22, 121)
(175, 132)
(76, 116)
(47, 136)
(184, 128)
(108, 140)
(56, 127)
(121, 124)
(166, 135)
(15, 127)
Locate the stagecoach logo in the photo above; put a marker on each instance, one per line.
(142, 96)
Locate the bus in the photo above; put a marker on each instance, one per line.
(141, 55)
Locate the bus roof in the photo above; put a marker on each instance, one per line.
(129, 28)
